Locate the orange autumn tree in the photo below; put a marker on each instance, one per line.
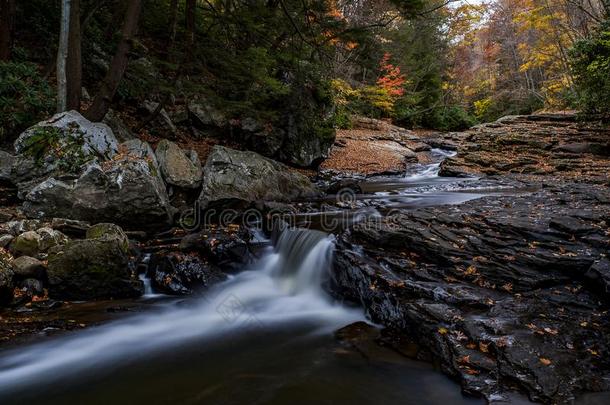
(391, 79)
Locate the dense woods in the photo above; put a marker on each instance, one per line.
(421, 63)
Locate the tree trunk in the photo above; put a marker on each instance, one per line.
(74, 71)
(7, 25)
(62, 57)
(111, 82)
(190, 23)
(173, 23)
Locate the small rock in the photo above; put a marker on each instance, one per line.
(180, 274)
(6, 240)
(26, 244)
(50, 237)
(28, 267)
(32, 287)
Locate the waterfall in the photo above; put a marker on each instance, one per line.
(283, 288)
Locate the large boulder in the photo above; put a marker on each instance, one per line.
(94, 138)
(93, 268)
(127, 191)
(176, 167)
(62, 145)
(246, 177)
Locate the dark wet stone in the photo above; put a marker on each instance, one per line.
(182, 274)
(505, 292)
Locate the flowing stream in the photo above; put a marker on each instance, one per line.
(262, 336)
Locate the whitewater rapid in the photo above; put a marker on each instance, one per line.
(284, 287)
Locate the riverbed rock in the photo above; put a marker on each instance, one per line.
(50, 237)
(127, 191)
(91, 269)
(176, 167)
(28, 267)
(225, 247)
(179, 274)
(27, 244)
(246, 177)
(492, 290)
(537, 145)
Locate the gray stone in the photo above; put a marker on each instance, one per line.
(248, 177)
(6, 165)
(97, 138)
(50, 237)
(26, 244)
(204, 115)
(6, 240)
(127, 192)
(176, 167)
(29, 267)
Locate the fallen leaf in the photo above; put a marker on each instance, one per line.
(545, 361)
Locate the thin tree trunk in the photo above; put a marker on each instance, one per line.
(74, 72)
(113, 78)
(190, 23)
(173, 24)
(7, 26)
(62, 57)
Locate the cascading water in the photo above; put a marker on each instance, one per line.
(284, 287)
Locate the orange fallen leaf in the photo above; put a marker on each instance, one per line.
(545, 361)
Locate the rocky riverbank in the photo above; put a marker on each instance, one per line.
(507, 293)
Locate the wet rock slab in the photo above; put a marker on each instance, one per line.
(509, 293)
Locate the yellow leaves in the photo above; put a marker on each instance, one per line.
(484, 347)
(545, 361)
(443, 331)
(593, 352)
(471, 271)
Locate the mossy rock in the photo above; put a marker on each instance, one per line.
(91, 269)
(26, 244)
(108, 231)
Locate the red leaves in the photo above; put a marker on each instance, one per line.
(392, 79)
